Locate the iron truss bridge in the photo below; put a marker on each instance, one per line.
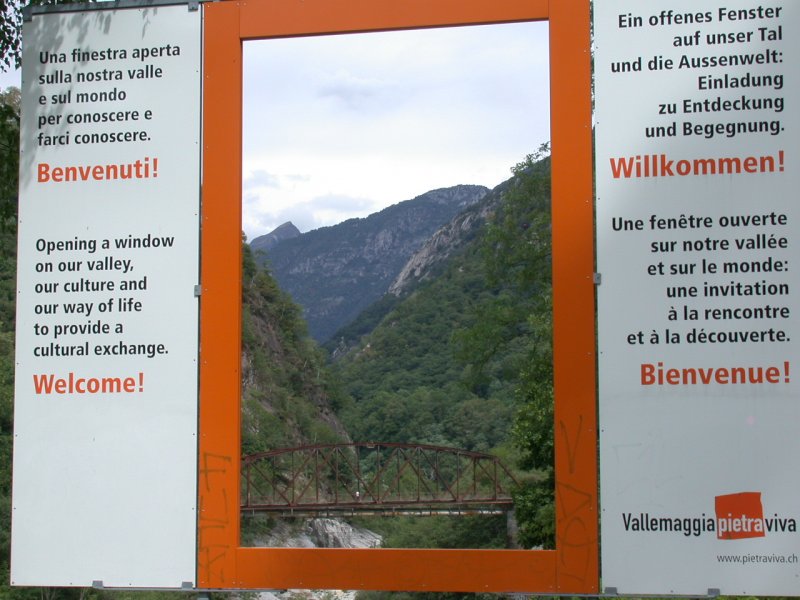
(374, 478)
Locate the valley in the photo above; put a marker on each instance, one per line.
(454, 351)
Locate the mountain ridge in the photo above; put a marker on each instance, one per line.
(335, 272)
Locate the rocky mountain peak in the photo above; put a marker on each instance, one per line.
(286, 231)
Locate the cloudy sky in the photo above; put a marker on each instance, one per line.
(343, 126)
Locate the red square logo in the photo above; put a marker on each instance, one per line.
(739, 516)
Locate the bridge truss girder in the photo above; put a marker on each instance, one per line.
(375, 478)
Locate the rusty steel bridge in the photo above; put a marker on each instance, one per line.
(374, 478)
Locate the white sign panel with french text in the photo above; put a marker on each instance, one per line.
(698, 172)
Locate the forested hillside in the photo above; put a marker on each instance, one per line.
(288, 395)
(465, 359)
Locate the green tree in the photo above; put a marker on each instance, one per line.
(10, 26)
(516, 321)
(9, 154)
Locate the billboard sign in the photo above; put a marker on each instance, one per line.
(105, 439)
(120, 478)
(697, 169)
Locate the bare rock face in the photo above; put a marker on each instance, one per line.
(321, 533)
(440, 246)
(333, 533)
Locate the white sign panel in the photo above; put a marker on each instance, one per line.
(107, 318)
(698, 163)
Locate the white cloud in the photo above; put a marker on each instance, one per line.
(260, 178)
(358, 93)
(315, 212)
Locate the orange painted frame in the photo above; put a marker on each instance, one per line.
(572, 568)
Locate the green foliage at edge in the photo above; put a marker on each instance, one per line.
(517, 251)
(9, 155)
(287, 387)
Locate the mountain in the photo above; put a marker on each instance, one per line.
(430, 261)
(336, 272)
(262, 243)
